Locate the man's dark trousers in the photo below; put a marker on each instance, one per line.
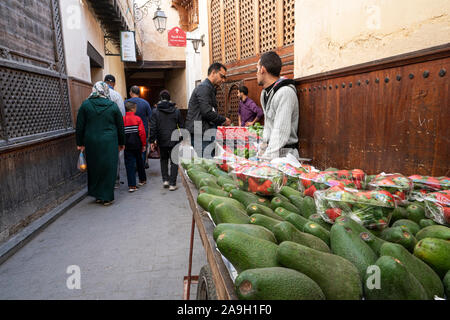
(165, 157)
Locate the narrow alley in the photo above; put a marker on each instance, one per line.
(136, 248)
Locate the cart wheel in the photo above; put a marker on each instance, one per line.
(206, 289)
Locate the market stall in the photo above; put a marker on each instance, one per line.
(284, 230)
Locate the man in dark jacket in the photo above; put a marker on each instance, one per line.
(202, 110)
(166, 118)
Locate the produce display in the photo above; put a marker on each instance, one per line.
(313, 181)
(259, 178)
(437, 206)
(292, 173)
(425, 184)
(283, 243)
(372, 209)
(398, 185)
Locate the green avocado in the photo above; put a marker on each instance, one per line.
(337, 277)
(436, 253)
(346, 243)
(285, 231)
(435, 231)
(400, 236)
(424, 273)
(415, 212)
(276, 283)
(279, 202)
(410, 225)
(396, 282)
(423, 223)
(247, 252)
(254, 208)
(250, 229)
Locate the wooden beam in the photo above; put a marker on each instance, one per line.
(279, 17)
(238, 30)
(171, 64)
(222, 29)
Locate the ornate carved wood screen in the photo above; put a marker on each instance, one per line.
(34, 98)
(216, 48)
(240, 30)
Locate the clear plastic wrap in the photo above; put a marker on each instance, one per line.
(395, 183)
(372, 209)
(427, 184)
(259, 178)
(313, 181)
(292, 173)
(437, 206)
(82, 165)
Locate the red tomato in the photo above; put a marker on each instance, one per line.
(358, 174)
(310, 191)
(333, 213)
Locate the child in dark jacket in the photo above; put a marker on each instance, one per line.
(135, 139)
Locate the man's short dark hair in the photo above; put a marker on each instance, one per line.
(110, 78)
(244, 90)
(130, 106)
(164, 95)
(135, 89)
(216, 66)
(272, 62)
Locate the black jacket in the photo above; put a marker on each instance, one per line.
(165, 119)
(203, 107)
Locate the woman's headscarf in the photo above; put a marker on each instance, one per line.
(100, 90)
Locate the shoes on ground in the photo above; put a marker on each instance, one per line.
(173, 188)
(107, 203)
(166, 184)
(98, 201)
(142, 183)
(132, 189)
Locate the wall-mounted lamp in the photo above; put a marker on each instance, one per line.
(196, 42)
(159, 18)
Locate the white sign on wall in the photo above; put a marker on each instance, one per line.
(127, 46)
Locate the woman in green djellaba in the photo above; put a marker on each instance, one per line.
(100, 133)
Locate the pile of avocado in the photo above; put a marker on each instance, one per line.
(283, 250)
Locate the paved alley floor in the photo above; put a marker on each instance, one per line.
(137, 248)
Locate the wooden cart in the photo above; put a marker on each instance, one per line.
(214, 281)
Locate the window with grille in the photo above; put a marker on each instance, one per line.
(274, 20)
(289, 22)
(230, 30)
(215, 31)
(267, 25)
(247, 25)
(233, 105)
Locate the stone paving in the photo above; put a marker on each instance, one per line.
(137, 248)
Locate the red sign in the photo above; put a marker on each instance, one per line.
(177, 37)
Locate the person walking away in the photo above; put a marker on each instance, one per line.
(165, 119)
(143, 111)
(280, 105)
(248, 112)
(110, 80)
(202, 109)
(135, 144)
(100, 134)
